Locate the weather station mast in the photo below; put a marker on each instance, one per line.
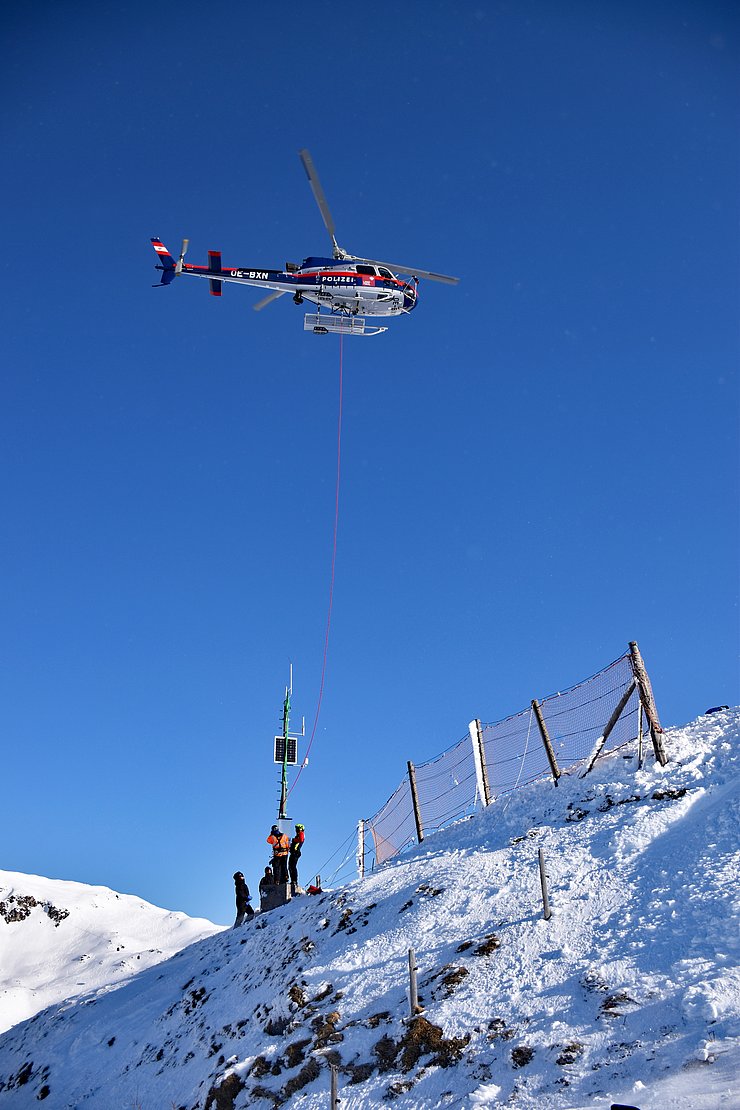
(286, 751)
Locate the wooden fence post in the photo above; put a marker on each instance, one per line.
(415, 802)
(546, 741)
(361, 848)
(618, 710)
(475, 729)
(648, 702)
(547, 912)
(334, 1090)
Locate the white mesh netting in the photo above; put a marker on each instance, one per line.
(447, 786)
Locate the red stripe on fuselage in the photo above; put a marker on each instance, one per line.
(346, 273)
(316, 275)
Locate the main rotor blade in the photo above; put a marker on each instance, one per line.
(318, 192)
(415, 272)
(268, 300)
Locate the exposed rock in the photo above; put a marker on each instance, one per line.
(260, 1067)
(295, 1053)
(298, 996)
(422, 1038)
(661, 795)
(498, 1029)
(489, 945)
(570, 1053)
(614, 1004)
(18, 907)
(358, 1073)
(223, 1096)
(395, 1090)
(306, 1075)
(453, 977)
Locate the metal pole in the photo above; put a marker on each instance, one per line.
(413, 991)
(415, 801)
(282, 815)
(549, 750)
(543, 880)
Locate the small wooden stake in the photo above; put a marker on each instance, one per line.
(543, 880)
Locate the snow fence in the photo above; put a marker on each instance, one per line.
(605, 712)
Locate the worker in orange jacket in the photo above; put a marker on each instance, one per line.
(280, 848)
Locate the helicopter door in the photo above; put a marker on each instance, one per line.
(367, 292)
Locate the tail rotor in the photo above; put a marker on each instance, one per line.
(183, 252)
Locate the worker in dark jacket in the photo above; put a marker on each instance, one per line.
(267, 882)
(294, 855)
(280, 848)
(243, 899)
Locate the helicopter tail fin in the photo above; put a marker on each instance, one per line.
(166, 262)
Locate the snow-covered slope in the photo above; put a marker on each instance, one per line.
(630, 993)
(58, 939)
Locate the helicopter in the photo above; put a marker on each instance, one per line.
(348, 288)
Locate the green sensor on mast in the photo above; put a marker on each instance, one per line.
(286, 748)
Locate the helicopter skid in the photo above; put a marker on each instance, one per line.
(339, 325)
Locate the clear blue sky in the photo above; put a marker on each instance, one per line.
(538, 466)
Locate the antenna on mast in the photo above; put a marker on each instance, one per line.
(286, 748)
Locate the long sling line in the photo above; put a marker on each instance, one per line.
(333, 567)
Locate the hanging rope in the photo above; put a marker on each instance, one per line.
(526, 749)
(333, 566)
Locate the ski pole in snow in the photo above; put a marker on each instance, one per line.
(543, 880)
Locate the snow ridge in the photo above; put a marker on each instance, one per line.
(629, 993)
(60, 939)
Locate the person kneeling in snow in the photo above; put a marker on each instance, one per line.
(243, 898)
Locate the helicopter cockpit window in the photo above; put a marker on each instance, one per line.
(385, 273)
(366, 270)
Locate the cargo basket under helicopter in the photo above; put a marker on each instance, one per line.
(339, 325)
